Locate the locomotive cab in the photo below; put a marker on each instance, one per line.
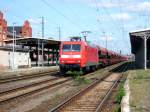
(77, 55)
(70, 55)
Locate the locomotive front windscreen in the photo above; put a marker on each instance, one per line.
(71, 47)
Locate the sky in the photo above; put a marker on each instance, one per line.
(107, 20)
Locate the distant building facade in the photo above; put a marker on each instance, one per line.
(20, 57)
(3, 29)
(6, 32)
(21, 31)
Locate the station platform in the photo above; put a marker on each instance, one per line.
(6, 73)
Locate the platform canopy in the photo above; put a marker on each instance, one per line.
(137, 39)
(31, 41)
(140, 46)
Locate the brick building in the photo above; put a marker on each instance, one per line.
(6, 32)
(21, 31)
(3, 28)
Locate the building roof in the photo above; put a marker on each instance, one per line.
(18, 29)
(140, 30)
(33, 41)
(136, 39)
(10, 49)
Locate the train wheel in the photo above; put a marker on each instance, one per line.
(84, 70)
(62, 71)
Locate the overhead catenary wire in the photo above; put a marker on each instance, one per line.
(60, 13)
(115, 23)
(73, 12)
(98, 13)
(123, 26)
(112, 19)
(100, 24)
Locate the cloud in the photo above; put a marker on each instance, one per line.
(121, 16)
(141, 6)
(125, 5)
(109, 38)
(118, 16)
(36, 20)
(109, 4)
(78, 1)
(129, 5)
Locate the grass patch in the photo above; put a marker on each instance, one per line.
(117, 108)
(120, 93)
(74, 74)
(82, 80)
(79, 80)
(139, 90)
(139, 76)
(118, 98)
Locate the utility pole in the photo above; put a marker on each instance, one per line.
(59, 33)
(105, 39)
(38, 48)
(146, 18)
(13, 46)
(42, 41)
(15, 39)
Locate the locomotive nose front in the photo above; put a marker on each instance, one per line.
(70, 56)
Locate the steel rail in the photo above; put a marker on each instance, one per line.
(80, 93)
(3, 96)
(99, 107)
(24, 77)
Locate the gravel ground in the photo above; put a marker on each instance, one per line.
(21, 83)
(98, 91)
(43, 101)
(26, 71)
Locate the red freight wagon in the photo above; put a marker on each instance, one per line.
(102, 56)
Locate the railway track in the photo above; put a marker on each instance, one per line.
(14, 92)
(92, 98)
(24, 77)
(31, 88)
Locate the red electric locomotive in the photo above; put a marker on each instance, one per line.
(77, 54)
(80, 55)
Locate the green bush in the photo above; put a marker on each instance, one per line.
(119, 97)
(120, 94)
(82, 80)
(117, 109)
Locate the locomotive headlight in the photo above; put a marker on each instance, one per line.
(76, 56)
(64, 56)
(62, 61)
(78, 61)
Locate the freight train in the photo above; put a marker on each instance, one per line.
(77, 54)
